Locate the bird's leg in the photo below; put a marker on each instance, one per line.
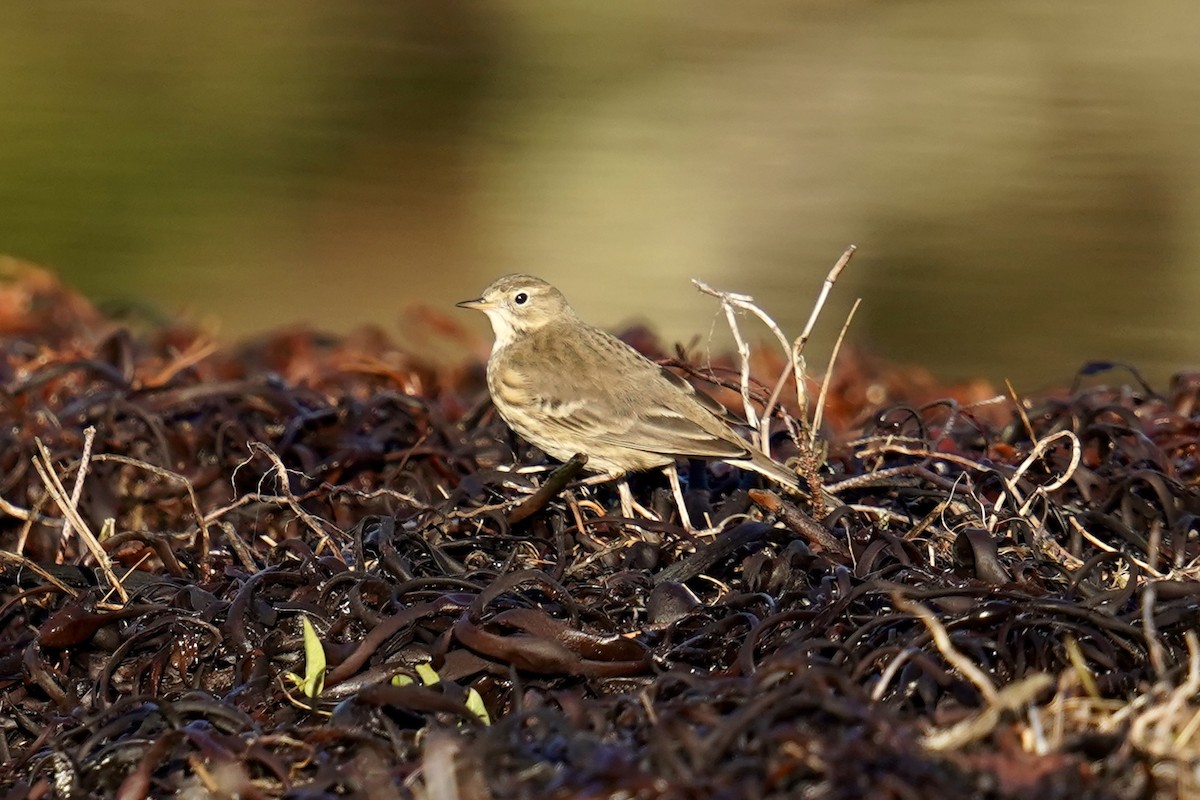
(603, 477)
(676, 489)
(626, 497)
(628, 504)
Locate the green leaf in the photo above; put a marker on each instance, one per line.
(475, 706)
(429, 676)
(314, 662)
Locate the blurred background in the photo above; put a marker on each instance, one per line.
(1022, 178)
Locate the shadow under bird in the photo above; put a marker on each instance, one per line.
(568, 387)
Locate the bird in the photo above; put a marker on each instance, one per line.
(568, 387)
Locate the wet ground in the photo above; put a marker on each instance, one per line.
(995, 599)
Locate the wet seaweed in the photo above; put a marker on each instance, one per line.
(1001, 603)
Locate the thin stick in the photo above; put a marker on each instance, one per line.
(973, 728)
(941, 639)
(289, 499)
(826, 288)
(746, 303)
(1154, 647)
(89, 436)
(729, 301)
(793, 352)
(1039, 448)
(196, 352)
(742, 348)
(1017, 404)
(795, 364)
(24, 563)
(43, 464)
(15, 510)
(885, 678)
(201, 519)
(685, 518)
(45, 470)
(33, 515)
(1086, 534)
(820, 409)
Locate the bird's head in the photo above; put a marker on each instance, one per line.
(519, 304)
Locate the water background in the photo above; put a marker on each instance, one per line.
(1023, 178)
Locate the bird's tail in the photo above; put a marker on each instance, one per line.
(769, 467)
(785, 477)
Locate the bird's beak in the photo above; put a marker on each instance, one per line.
(479, 304)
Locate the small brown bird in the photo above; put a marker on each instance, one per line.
(568, 388)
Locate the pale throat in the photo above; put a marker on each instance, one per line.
(504, 331)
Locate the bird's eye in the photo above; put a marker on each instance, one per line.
(521, 298)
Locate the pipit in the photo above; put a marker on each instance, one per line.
(568, 388)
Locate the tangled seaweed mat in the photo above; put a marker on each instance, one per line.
(1003, 608)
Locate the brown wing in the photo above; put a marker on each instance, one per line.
(703, 399)
(656, 430)
(643, 408)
